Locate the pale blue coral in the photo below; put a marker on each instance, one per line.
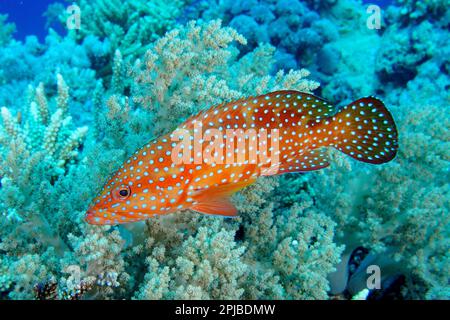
(296, 31)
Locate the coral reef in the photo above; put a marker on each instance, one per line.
(402, 208)
(189, 63)
(39, 140)
(422, 10)
(129, 26)
(99, 254)
(132, 73)
(28, 63)
(291, 249)
(296, 31)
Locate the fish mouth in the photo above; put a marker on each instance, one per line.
(91, 218)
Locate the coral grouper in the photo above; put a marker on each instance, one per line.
(198, 165)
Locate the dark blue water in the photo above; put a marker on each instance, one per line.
(28, 15)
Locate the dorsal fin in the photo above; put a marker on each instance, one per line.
(309, 104)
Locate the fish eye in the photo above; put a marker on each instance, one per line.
(122, 193)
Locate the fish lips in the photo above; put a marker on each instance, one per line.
(91, 218)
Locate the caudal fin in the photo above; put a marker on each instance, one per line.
(366, 131)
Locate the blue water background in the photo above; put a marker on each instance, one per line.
(28, 15)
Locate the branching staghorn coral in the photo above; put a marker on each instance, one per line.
(40, 131)
(129, 26)
(37, 147)
(98, 260)
(291, 249)
(207, 265)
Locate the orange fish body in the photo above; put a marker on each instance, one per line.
(224, 149)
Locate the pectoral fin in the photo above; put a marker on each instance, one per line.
(218, 207)
(217, 201)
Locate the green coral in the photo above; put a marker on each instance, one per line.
(38, 139)
(131, 25)
(285, 242)
(40, 131)
(207, 265)
(291, 249)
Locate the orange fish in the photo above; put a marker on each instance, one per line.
(198, 167)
